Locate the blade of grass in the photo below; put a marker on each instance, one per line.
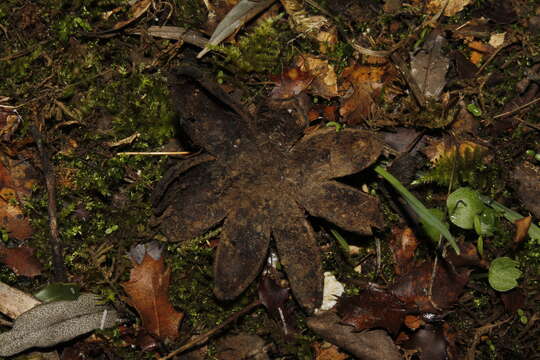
(418, 207)
(510, 215)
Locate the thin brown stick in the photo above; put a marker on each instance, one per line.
(154, 153)
(478, 333)
(404, 70)
(59, 268)
(519, 108)
(201, 339)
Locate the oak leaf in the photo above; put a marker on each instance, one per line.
(147, 289)
(21, 260)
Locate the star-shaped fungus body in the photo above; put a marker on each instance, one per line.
(260, 177)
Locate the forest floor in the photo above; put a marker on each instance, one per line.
(127, 170)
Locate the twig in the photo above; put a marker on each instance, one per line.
(201, 339)
(404, 70)
(478, 333)
(519, 108)
(59, 268)
(154, 153)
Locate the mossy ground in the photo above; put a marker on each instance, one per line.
(94, 91)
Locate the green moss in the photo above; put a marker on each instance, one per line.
(461, 168)
(261, 51)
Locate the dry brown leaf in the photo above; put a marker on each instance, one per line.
(522, 228)
(21, 260)
(136, 11)
(148, 288)
(451, 9)
(403, 245)
(324, 82)
(361, 84)
(291, 83)
(13, 220)
(327, 351)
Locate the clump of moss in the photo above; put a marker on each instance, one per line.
(460, 168)
(261, 51)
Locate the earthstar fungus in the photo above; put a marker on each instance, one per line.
(261, 178)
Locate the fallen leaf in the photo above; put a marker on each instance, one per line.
(13, 220)
(56, 322)
(372, 308)
(21, 260)
(429, 66)
(274, 298)
(497, 40)
(9, 123)
(324, 82)
(513, 299)
(527, 177)
(522, 228)
(403, 245)
(135, 12)
(234, 20)
(366, 345)
(361, 84)
(430, 341)
(413, 288)
(291, 83)
(147, 288)
(327, 351)
(451, 9)
(241, 347)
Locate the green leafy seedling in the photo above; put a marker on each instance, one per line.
(419, 208)
(503, 274)
(464, 205)
(474, 110)
(484, 223)
(511, 215)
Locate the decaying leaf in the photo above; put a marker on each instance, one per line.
(372, 308)
(413, 288)
(275, 298)
(429, 66)
(265, 178)
(366, 345)
(291, 83)
(522, 228)
(9, 123)
(327, 351)
(451, 7)
(21, 260)
(16, 181)
(136, 11)
(403, 245)
(242, 347)
(527, 177)
(147, 288)
(324, 82)
(56, 322)
(360, 86)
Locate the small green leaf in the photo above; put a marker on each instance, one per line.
(58, 292)
(473, 109)
(341, 241)
(503, 273)
(464, 205)
(484, 224)
(111, 229)
(418, 207)
(511, 215)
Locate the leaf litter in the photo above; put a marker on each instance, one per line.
(293, 128)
